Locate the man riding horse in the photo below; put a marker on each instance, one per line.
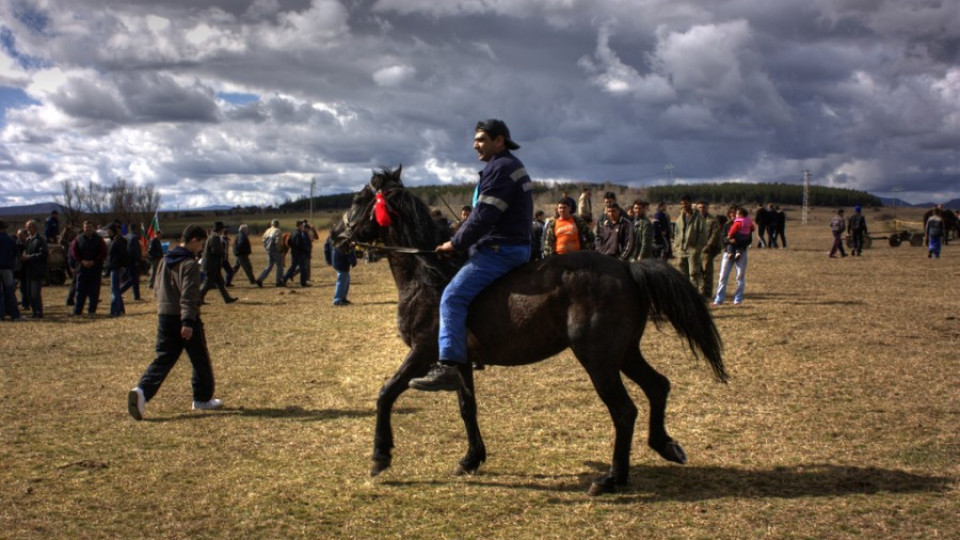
(497, 235)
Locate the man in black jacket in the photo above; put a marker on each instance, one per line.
(117, 261)
(857, 227)
(762, 220)
(212, 265)
(134, 260)
(89, 250)
(34, 269)
(615, 234)
(242, 251)
(299, 244)
(154, 254)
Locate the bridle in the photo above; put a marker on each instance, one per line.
(368, 213)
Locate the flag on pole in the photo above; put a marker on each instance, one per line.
(143, 238)
(154, 225)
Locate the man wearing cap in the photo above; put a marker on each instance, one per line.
(836, 228)
(212, 264)
(857, 227)
(497, 237)
(273, 244)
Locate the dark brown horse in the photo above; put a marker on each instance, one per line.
(594, 304)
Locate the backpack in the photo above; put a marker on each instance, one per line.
(134, 249)
(270, 242)
(295, 242)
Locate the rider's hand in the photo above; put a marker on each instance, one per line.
(446, 247)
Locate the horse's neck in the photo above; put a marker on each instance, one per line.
(410, 273)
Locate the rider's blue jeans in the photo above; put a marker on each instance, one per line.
(483, 268)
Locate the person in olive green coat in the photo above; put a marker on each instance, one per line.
(688, 240)
(710, 233)
(642, 231)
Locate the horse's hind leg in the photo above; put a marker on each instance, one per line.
(476, 451)
(609, 386)
(656, 387)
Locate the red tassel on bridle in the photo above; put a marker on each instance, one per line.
(381, 212)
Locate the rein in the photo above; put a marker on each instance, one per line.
(396, 249)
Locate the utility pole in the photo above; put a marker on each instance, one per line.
(806, 195)
(313, 187)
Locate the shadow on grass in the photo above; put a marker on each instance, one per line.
(690, 484)
(814, 302)
(84, 318)
(666, 482)
(291, 413)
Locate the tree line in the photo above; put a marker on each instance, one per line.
(136, 204)
(741, 193)
(456, 195)
(103, 204)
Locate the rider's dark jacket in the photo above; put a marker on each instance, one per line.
(503, 206)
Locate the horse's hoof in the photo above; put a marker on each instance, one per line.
(379, 465)
(465, 470)
(672, 451)
(602, 485)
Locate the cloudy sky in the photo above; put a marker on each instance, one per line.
(246, 101)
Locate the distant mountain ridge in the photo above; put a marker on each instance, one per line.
(37, 210)
(951, 204)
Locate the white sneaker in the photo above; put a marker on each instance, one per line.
(207, 405)
(136, 403)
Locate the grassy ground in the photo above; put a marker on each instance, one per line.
(840, 420)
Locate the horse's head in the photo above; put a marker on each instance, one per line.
(365, 221)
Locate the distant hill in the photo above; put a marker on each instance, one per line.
(951, 205)
(34, 210)
(893, 201)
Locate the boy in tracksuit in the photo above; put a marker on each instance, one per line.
(179, 327)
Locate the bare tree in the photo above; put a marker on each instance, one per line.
(146, 201)
(71, 201)
(121, 201)
(98, 203)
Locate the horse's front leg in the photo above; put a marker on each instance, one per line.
(476, 451)
(414, 365)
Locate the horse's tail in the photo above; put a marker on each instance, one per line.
(674, 298)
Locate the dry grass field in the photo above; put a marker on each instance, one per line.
(842, 419)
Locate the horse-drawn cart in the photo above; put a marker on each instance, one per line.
(900, 232)
(56, 264)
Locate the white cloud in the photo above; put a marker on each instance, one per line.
(705, 60)
(615, 77)
(394, 75)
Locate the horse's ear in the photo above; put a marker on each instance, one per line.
(376, 181)
(396, 174)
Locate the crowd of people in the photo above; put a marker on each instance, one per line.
(119, 255)
(694, 238)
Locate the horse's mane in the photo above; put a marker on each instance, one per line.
(417, 228)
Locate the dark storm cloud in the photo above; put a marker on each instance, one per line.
(863, 94)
